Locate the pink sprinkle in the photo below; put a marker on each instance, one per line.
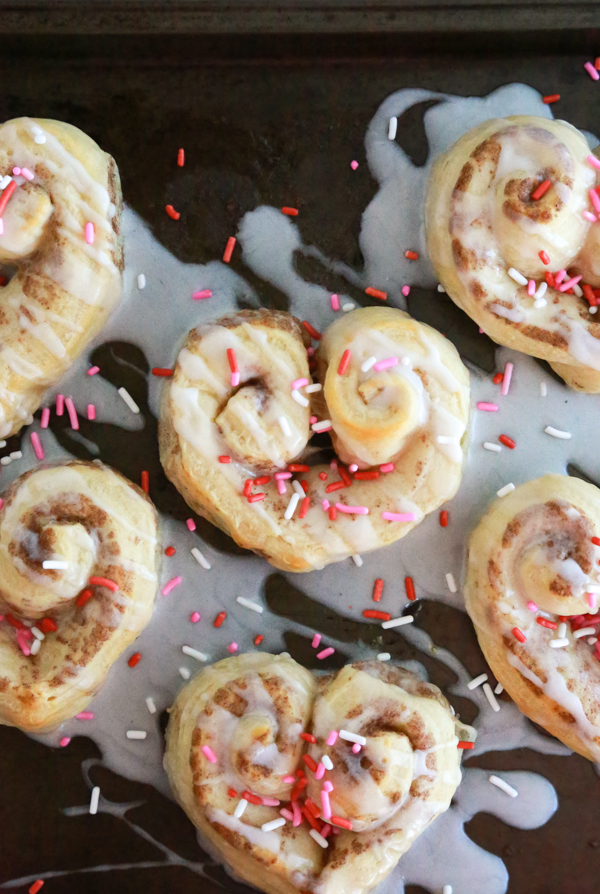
(37, 446)
(595, 199)
(210, 755)
(406, 291)
(531, 287)
(286, 814)
(270, 802)
(85, 715)
(399, 516)
(387, 467)
(299, 383)
(592, 600)
(297, 813)
(569, 283)
(91, 412)
(333, 464)
(320, 771)
(335, 302)
(235, 379)
(191, 524)
(195, 617)
(232, 647)
(174, 582)
(591, 71)
(279, 476)
(480, 330)
(45, 417)
(489, 408)
(356, 748)
(16, 171)
(325, 504)
(281, 488)
(328, 786)
(289, 780)
(326, 831)
(558, 277)
(589, 216)
(93, 370)
(1, 505)
(316, 640)
(72, 413)
(312, 420)
(352, 510)
(23, 643)
(386, 364)
(89, 233)
(310, 351)
(325, 653)
(354, 165)
(60, 404)
(65, 741)
(203, 293)
(532, 606)
(353, 468)
(25, 172)
(325, 805)
(506, 377)
(595, 163)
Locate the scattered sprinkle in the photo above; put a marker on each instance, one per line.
(318, 838)
(554, 97)
(201, 294)
(557, 433)
(451, 582)
(491, 697)
(541, 190)
(136, 734)
(45, 417)
(375, 293)
(508, 442)
(352, 510)
(357, 560)
(591, 71)
(89, 233)
(499, 689)
(64, 741)
(126, 396)
(325, 653)
(343, 365)
(68, 402)
(543, 389)
(232, 647)
(399, 516)
(241, 806)
(209, 754)
(559, 643)
(194, 653)
(398, 622)
(219, 619)
(229, 249)
(487, 407)
(352, 737)
(150, 705)
(505, 490)
(507, 376)
(494, 448)
(184, 673)
(273, 824)
(200, 559)
(324, 425)
(392, 128)
(518, 277)
(141, 281)
(411, 255)
(95, 798)
(477, 681)
(180, 158)
(285, 426)
(354, 165)
(170, 586)
(500, 783)
(335, 302)
(135, 659)
(174, 215)
(37, 446)
(55, 563)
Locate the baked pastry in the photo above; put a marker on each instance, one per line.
(60, 208)
(395, 396)
(78, 579)
(510, 231)
(531, 592)
(363, 759)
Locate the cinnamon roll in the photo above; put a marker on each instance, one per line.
(511, 232)
(60, 209)
(393, 392)
(78, 579)
(309, 783)
(532, 588)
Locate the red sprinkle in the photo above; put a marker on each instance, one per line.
(181, 158)
(134, 659)
(310, 818)
(411, 255)
(444, 518)
(410, 588)
(308, 737)
(145, 482)
(264, 479)
(323, 476)
(543, 622)
(597, 63)
(466, 745)
(254, 799)
(292, 212)
(376, 293)
(170, 551)
(342, 472)
(48, 625)
(335, 485)
(311, 330)
(344, 362)
(541, 190)
(160, 371)
(224, 459)
(232, 793)
(14, 622)
(549, 279)
(104, 582)
(497, 378)
(508, 442)
(298, 788)
(377, 590)
(174, 215)
(83, 597)
(343, 823)
(366, 476)
(596, 540)
(36, 886)
(229, 249)
(219, 619)
(256, 498)
(544, 258)
(332, 513)
(6, 195)
(258, 639)
(554, 97)
(310, 805)
(248, 483)
(233, 366)
(304, 507)
(298, 467)
(304, 485)
(518, 634)
(373, 613)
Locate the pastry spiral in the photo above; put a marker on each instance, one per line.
(240, 730)
(99, 532)
(225, 446)
(534, 558)
(484, 219)
(61, 232)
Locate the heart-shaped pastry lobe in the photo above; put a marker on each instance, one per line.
(312, 783)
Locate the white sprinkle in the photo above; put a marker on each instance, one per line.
(584, 631)
(300, 399)
(348, 306)
(124, 393)
(94, 800)
(366, 366)
(312, 389)
(500, 783)
(184, 673)
(495, 448)
(5, 181)
(499, 689)
(446, 439)
(541, 291)
(518, 277)
(557, 433)
(539, 303)
(273, 824)
(141, 281)
(6, 460)
(490, 697)
(559, 643)
(35, 647)
(398, 622)
(321, 426)
(477, 681)
(593, 309)
(241, 806)
(440, 287)
(37, 633)
(54, 564)
(384, 656)
(543, 389)
(318, 838)
(505, 490)
(291, 507)
(247, 603)
(357, 560)
(16, 454)
(2, 444)
(561, 630)
(298, 488)
(285, 426)
(592, 588)
(40, 139)
(447, 889)
(352, 737)
(327, 762)
(578, 291)
(392, 128)
(150, 705)
(451, 582)
(592, 640)
(200, 558)
(194, 653)
(136, 734)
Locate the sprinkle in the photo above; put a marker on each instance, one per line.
(174, 215)
(398, 622)
(343, 823)
(375, 613)
(135, 659)
(376, 293)
(532, 606)
(7, 193)
(490, 697)
(595, 200)
(444, 518)
(291, 507)
(508, 442)
(591, 71)
(258, 639)
(71, 411)
(331, 738)
(531, 288)
(477, 681)
(499, 689)
(543, 389)
(104, 582)
(273, 824)
(554, 97)
(184, 673)
(352, 737)
(354, 165)
(200, 559)
(383, 656)
(410, 588)
(180, 158)
(39, 635)
(232, 647)
(387, 467)
(593, 161)
(518, 277)
(94, 800)
(411, 255)
(500, 783)
(229, 249)
(326, 811)
(54, 563)
(285, 426)
(299, 398)
(366, 366)
(241, 806)
(344, 362)
(405, 291)
(195, 617)
(25, 172)
(60, 404)
(201, 294)
(569, 284)
(325, 653)
(505, 490)
(541, 190)
(557, 433)
(84, 715)
(377, 590)
(487, 407)
(314, 333)
(64, 741)
(45, 417)
(589, 216)
(584, 631)
(551, 625)
(324, 425)
(168, 587)
(440, 288)
(318, 838)
(399, 516)
(4, 181)
(150, 705)
(518, 634)
(194, 653)
(544, 257)
(386, 364)
(507, 376)
(559, 643)
(37, 446)
(392, 128)
(16, 454)
(352, 510)
(89, 233)
(357, 560)
(136, 734)
(126, 396)
(219, 619)
(141, 281)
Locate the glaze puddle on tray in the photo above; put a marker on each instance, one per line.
(157, 319)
